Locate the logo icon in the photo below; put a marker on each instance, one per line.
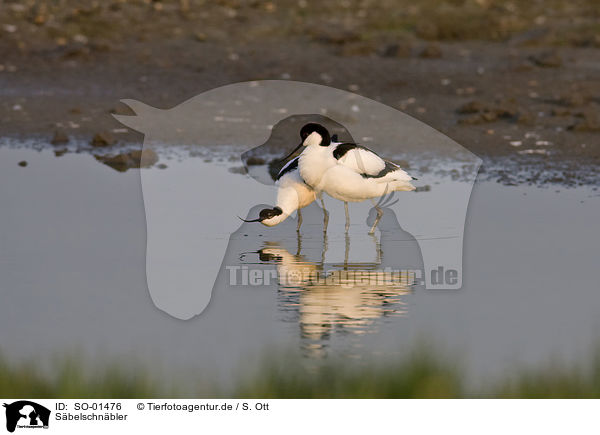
(26, 414)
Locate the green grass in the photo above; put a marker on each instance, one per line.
(70, 377)
(422, 373)
(556, 381)
(418, 375)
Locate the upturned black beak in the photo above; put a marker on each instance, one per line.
(292, 153)
(250, 220)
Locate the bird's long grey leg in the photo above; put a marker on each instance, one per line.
(378, 250)
(325, 216)
(299, 221)
(298, 244)
(347, 216)
(346, 251)
(325, 246)
(378, 218)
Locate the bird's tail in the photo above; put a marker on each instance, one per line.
(403, 186)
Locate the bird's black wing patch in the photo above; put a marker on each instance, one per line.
(389, 167)
(341, 150)
(291, 166)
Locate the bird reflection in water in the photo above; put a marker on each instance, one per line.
(347, 298)
(340, 299)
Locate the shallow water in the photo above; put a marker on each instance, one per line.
(72, 276)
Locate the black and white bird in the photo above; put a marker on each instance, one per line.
(346, 171)
(293, 194)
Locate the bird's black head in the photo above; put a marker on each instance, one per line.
(268, 213)
(265, 216)
(312, 127)
(306, 131)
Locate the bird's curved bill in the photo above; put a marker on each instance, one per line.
(292, 153)
(250, 220)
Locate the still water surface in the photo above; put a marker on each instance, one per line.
(72, 277)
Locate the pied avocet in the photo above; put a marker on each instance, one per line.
(347, 171)
(293, 194)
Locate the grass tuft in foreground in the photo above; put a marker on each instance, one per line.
(422, 373)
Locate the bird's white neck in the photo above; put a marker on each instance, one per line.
(313, 139)
(313, 163)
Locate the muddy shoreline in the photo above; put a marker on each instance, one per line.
(524, 99)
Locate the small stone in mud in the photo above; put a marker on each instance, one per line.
(103, 139)
(489, 116)
(255, 161)
(144, 158)
(431, 51)
(200, 36)
(59, 138)
(40, 19)
(472, 107)
(479, 118)
(161, 166)
(590, 121)
(505, 110)
(23, 163)
(524, 117)
(396, 50)
(133, 159)
(549, 59)
(120, 162)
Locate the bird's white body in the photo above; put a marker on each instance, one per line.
(292, 194)
(345, 171)
(350, 173)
